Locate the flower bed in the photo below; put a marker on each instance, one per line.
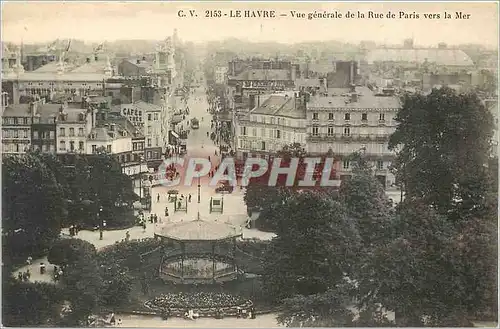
(205, 303)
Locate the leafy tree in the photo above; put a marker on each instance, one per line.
(294, 150)
(30, 304)
(421, 274)
(313, 250)
(82, 283)
(366, 202)
(69, 251)
(117, 284)
(32, 206)
(329, 309)
(443, 142)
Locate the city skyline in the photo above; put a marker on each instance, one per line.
(96, 22)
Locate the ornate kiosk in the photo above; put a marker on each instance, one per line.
(200, 252)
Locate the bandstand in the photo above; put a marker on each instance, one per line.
(199, 252)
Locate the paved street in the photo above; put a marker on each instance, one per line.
(198, 145)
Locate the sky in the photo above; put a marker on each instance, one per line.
(107, 21)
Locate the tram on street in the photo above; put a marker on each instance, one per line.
(195, 123)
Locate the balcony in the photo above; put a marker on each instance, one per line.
(352, 137)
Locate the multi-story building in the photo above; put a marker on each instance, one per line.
(358, 120)
(17, 121)
(73, 126)
(147, 118)
(221, 74)
(272, 123)
(56, 78)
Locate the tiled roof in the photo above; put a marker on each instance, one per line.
(17, 110)
(366, 100)
(280, 106)
(141, 63)
(146, 106)
(447, 57)
(67, 76)
(198, 230)
(264, 75)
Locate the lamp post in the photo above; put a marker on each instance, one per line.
(199, 187)
(141, 159)
(101, 223)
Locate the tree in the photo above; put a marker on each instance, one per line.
(313, 250)
(421, 274)
(117, 284)
(443, 143)
(32, 206)
(82, 283)
(329, 309)
(366, 202)
(30, 304)
(69, 251)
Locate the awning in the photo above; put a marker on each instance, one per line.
(174, 134)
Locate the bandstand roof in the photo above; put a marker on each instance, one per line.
(198, 230)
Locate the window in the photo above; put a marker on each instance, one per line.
(243, 130)
(364, 116)
(80, 146)
(149, 116)
(315, 131)
(149, 142)
(80, 132)
(284, 135)
(381, 117)
(315, 116)
(71, 132)
(35, 134)
(262, 132)
(108, 148)
(347, 131)
(156, 116)
(254, 132)
(134, 146)
(380, 164)
(278, 134)
(52, 134)
(330, 131)
(52, 148)
(273, 121)
(347, 116)
(263, 146)
(156, 141)
(16, 133)
(345, 164)
(94, 148)
(62, 131)
(263, 118)
(330, 116)
(71, 146)
(25, 134)
(62, 146)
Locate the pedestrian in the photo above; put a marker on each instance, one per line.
(42, 268)
(29, 260)
(158, 198)
(112, 320)
(189, 198)
(209, 158)
(127, 236)
(144, 227)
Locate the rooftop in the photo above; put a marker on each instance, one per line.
(145, 106)
(365, 100)
(259, 74)
(280, 105)
(439, 56)
(66, 76)
(197, 230)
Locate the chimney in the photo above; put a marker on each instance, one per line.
(88, 60)
(252, 101)
(138, 61)
(33, 107)
(352, 73)
(112, 127)
(354, 97)
(143, 58)
(96, 58)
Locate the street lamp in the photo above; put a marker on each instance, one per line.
(101, 223)
(199, 186)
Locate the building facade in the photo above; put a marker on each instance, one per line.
(357, 121)
(271, 124)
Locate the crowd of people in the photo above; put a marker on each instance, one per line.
(195, 300)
